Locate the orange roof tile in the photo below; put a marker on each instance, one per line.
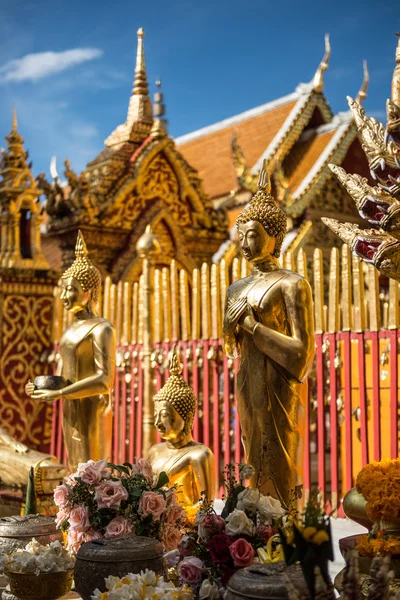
(303, 157)
(210, 154)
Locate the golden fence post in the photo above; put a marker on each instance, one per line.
(235, 269)
(346, 299)
(205, 301)
(56, 316)
(147, 247)
(118, 311)
(224, 283)
(196, 302)
(157, 306)
(113, 304)
(333, 314)
(215, 303)
(184, 304)
(135, 311)
(106, 298)
(288, 261)
(174, 301)
(358, 294)
(166, 304)
(140, 326)
(373, 299)
(393, 317)
(318, 291)
(126, 318)
(302, 264)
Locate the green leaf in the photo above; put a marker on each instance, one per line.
(120, 468)
(163, 479)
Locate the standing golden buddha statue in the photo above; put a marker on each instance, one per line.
(269, 324)
(189, 465)
(87, 364)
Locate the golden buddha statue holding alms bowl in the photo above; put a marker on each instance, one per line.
(85, 374)
(189, 465)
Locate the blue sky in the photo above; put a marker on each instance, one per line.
(68, 66)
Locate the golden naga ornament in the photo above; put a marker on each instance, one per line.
(86, 368)
(379, 205)
(269, 324)
(189, 465)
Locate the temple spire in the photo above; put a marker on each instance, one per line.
(160, 126)
(140, 86)
(14, 118)
(362, 94)
(140, 108)
(318, 80)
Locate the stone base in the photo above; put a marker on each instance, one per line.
(364, 585)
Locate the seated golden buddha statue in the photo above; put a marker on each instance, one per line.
(86, 366)
(189, 465)
(16, 460)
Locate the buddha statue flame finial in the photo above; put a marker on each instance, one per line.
(263, 208)
(83, 270)
(178, 393)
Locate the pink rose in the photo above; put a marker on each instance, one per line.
(242, 553)
(153, 504)
(79, 518)
(110, 494)
(61, 496)
(210, 525)
(92, 535)
(142, 467)
(92, 472)
(191, 569)
(174, 513)
(61, 517)
(170, 536)
(75, 539)
(119, 527)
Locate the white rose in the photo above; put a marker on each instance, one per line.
(270, 508)
(238, 523)
(246, 472)
(209, 589)
(248, 500)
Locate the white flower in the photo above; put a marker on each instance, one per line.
(270, 508)
(34, 547)
(246, 472)
(238, 523)
(148, 577)
(209, 589)
(248, 500)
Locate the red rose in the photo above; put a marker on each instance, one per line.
(265, 532)
(218, 547)
(242, 553)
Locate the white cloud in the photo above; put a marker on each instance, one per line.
(32, 67)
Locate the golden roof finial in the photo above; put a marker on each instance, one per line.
(396, 76)
(318, 81)
(14, 118)
(362, 94)
(140, 86)
(393, 105)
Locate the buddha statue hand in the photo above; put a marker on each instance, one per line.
(43, 395)
(235, 311)
(247, 320)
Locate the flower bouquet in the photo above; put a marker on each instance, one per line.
(217, 546)
(95, 503)
(146, 585)
(39, 572)
(379, 484)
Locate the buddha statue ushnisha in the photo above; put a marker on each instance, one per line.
(87, 364)
(189, 465)
(268, 323)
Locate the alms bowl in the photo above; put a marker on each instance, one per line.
(49, 382)
(45, 586)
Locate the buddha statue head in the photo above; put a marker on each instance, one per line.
(262, 224)
(175, 404)
(81, 282)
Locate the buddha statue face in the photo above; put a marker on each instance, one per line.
(167, 421)
(255, 243)
(73, 295)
